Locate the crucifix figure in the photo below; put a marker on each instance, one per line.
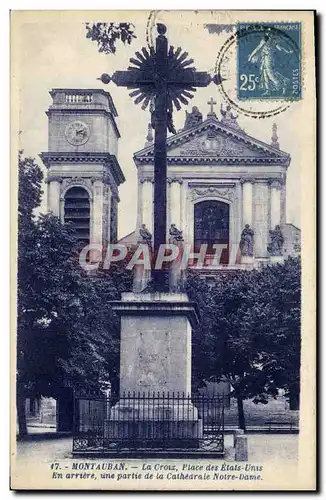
(211, 103)
(162, 78)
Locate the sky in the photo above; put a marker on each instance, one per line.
(51, 51)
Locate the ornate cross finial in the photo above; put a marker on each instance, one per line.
(211, 103)
(275, 142)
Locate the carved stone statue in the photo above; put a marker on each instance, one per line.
(175, 235)
(145, 235)
(170, 124)
(229, 117)
(275, 246)
(193, 118)
(247, 241)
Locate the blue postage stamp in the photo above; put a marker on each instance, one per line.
(269, 61)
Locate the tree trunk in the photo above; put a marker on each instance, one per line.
(294, 398)
(21, 412)
(65, 409)
(242, 422)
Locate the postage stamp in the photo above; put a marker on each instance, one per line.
(269, 61)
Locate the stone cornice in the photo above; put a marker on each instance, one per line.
(275, 156)
(220, 184)
(54, 91)
(106, 159)
(276, 183)
(116, 170)
(157, 308)
(53, 178)
(146, 179)
(216, 160)
(179, 180)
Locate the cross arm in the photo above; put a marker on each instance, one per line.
(132, 78)
(190, 78)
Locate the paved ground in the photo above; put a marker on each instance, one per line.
(261, 448)
(41, 429)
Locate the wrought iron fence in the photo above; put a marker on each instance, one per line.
(145, 422)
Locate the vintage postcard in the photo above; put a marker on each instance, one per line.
(163, 234)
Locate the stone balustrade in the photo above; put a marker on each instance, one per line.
(84, 97)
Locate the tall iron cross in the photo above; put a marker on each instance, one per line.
(162, 78)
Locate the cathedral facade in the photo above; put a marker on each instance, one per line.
(224, 186)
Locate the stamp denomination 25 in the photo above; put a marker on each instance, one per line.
(269, 61)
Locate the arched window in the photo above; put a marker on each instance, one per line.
(77, 212)
(211, 226)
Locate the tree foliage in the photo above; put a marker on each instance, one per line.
(67, 333)
(29, 189)
(107, 34)
(250, 330)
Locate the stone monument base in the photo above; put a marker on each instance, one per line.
(247, 260)
(154, 422)
(276, 259)
(155, 406)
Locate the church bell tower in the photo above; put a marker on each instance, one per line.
(83, 170)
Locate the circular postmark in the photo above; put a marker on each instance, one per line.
(261, 63)
(150, 28)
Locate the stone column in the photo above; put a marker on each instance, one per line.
(97, 226)
(246, 215)
(283, 201)
(147, 206)
(62, 208)
(108, 208)
(275, 203)
(260, 219)
(237, 211)
(54, 195)
(168, 204)
(184, 191)
(175, 202)
(247, 202)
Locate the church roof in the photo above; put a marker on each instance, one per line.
(215, 142)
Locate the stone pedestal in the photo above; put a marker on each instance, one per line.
(155, 370)
(236, 434)
(247, 260)
(241, 448)
(276, 259)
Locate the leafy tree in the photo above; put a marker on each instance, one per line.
(107, 34)
(29, 190)
(250, 331)
(29, 197)
(67, 334)
(279, 294)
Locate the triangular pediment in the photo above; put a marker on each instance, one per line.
(214, 142)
